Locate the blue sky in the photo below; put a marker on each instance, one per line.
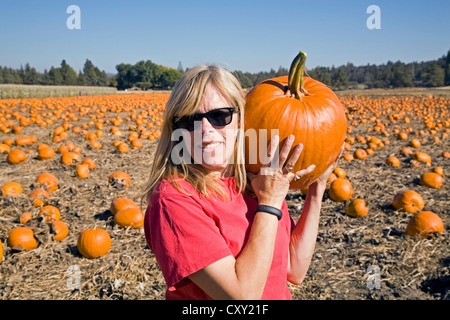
(246, 35)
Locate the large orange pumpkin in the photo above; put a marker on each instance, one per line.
(301, 106)
(423, 223)
(94, 243)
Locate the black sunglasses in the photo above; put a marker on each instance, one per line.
(217, 117)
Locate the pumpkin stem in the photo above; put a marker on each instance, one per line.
(295, 78)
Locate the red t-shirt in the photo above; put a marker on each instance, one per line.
(189, 232)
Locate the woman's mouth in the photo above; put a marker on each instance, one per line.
(210, 145)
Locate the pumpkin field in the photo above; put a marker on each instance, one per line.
(66, 163)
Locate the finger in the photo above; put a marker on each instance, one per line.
(284, 153)
(294, 157)
(304, 172)
(272, 151)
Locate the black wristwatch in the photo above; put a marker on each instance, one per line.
(269, 209)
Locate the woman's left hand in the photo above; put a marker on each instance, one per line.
(271, 184)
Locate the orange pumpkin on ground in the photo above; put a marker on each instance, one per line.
(423, 157)
(137, 143)
(49, 180)
(121, 203)
(423, 223)
(415, 143)
(432, 180)
(360, 154)
(24, 237)
(23, 141)
(82, 171)
(25, 217)
(357, 208)
(70, 158)
(4, 148)
(123, 147)
(46, 153)
(94, 243)
(348, 157)
(50, 213)
(439, 171)
(339, 172)
(340, 190)
(60, 230)
(39, 196)
(393, 161)
(16, 156)
(90, 162)
(406, 151)
(12, 189)
(409, 201)
(129, 217)
(120, 179)
(300, 106)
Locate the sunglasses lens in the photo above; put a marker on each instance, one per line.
(218, 117)
(186, 122)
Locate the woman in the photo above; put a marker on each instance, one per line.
(212, 238)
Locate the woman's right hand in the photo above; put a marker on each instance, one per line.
(271, 184)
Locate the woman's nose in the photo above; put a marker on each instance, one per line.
(206, 125)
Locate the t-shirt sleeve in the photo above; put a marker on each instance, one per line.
(183, 238)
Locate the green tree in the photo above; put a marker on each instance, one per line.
(169, 77)
(401, 76)
(321, 74)
(434, 76)
(145, 75)
(68, 74)
(89, 73)
(30, 75)
(55, 77)
(447, 69)
(339, 78)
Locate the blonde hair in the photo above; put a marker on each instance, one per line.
(185, 98)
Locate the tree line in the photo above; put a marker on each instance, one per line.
(148, 75)
(65, 75)
(144, 75)
(435, 73)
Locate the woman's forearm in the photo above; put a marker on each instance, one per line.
(244, 277)
(304, 235)
(253, 264)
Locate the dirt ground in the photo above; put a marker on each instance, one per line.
(355, 258)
